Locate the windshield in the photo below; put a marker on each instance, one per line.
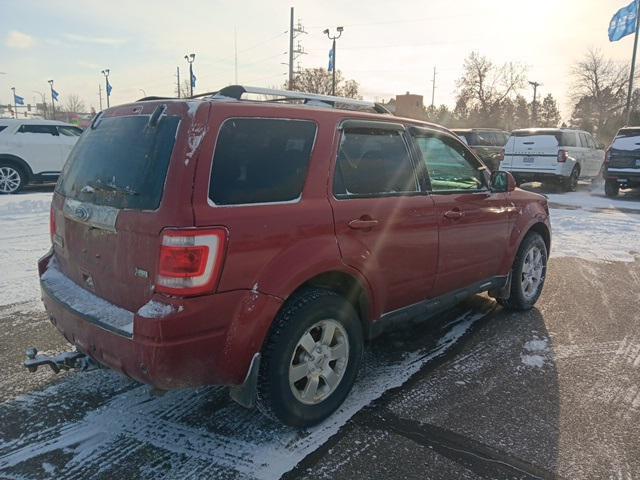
(121, 163)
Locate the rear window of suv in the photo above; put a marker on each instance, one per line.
(259, 160)
(121, 163)
(563, 139)
(627, 139)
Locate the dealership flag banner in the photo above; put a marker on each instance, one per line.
(54, 94)
(18, 99)
(623, 22)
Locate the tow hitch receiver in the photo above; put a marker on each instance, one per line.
(62, 361)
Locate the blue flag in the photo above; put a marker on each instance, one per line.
(18, 99)
(623, 23)
(109, 88)
(193, 80)
(54, 94)
(332, 60)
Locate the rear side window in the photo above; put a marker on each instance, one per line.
(568, 139)
(70, 131)
(260, 160)
(41, 129)
(121, 163)
(584, 143)
(373, 162)
(2, 127)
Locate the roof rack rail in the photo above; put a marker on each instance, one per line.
(237, 91)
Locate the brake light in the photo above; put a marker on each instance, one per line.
(190, 261)
(607, 153)
(563, 155)
(52, 223)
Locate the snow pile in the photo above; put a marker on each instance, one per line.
(85, 302)
(595, 200)
(536, 352)
(153, 309)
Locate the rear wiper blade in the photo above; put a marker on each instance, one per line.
(111, 187)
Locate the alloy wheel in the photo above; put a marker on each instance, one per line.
(10, 179)
(533, 270)
(319, 362)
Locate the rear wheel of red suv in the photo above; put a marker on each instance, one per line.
(311, 358)
(528, 274)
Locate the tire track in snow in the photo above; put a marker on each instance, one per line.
(184, 436)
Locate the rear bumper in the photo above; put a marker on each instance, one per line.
(628, 176)
(203, 341)
(523, 176)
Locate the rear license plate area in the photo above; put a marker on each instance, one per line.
(528, 159)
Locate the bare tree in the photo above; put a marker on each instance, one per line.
(484, 85)
(73, 104)
(598, 90)
(319, 80)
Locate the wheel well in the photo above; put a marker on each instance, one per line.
(543, 231)
(347, 286)
(17, 162)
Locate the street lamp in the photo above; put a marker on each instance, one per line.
(53, 106)
(105, 72)
(190, 58)
(332, 64)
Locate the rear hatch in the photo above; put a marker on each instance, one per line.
(129, 176)
(624, 153)
(533, 150)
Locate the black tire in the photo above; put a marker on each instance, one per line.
(275, 397)
(571, 182)
(518, 300)
(9, 173)
(611, 188)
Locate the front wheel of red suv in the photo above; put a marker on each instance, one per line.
(311, 358)
(528, 274)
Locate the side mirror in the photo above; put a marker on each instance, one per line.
(502, 182)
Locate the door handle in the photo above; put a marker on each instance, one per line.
(454, 214)
(363, 223)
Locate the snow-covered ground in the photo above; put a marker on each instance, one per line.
(592, 227)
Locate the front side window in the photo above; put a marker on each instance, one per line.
(583, 140)
(373, 162)
(41, 129)
(449, 166)
(260, 160)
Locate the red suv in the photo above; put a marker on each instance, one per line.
(260, 244)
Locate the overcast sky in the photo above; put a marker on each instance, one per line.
(388, 47)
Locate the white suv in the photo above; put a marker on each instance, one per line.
(552, 154)
(33, 151)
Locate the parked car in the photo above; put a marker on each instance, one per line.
(487, 143)
(622, 161)
(33, 151)
(558, 154)
(260, 245)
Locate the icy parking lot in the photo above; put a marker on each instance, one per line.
(482, 393)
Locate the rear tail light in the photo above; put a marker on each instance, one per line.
(190, 261)
(563, 155)
(607, 154)
(52, 223)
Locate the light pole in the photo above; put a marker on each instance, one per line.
(105, 72)
(15, 103)
(534, 105)
(53, 107)
(190, 58)
(332, 63)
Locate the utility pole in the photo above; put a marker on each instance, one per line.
(633, 67)
(100, 95)
(433, 90)
(294, 53)
(53, 106)
(190, 57)
(534, 105)
(178, 79)
(107, 86)
(332, 56)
